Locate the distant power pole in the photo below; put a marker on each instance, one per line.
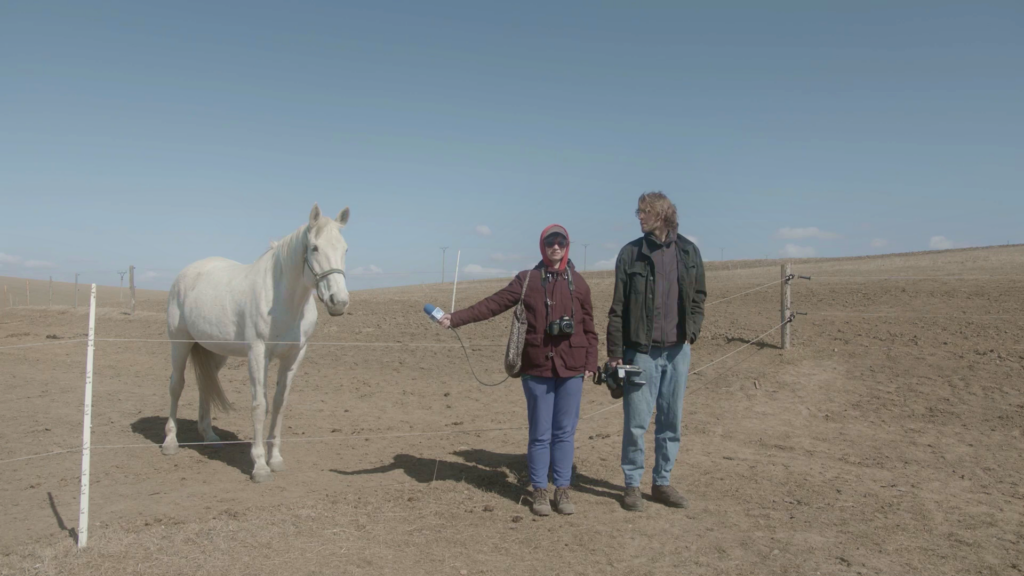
(723, 254)
(76, 289)
(443, 250)
(121, 289)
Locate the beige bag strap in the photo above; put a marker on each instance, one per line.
(526, 282)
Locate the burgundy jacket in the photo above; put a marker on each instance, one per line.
(545, 355)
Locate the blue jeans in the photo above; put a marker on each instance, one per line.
(553, 408)
(665, 371)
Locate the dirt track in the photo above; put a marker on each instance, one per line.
(887, 444)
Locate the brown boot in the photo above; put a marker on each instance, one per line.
(669, 496)
(540, 506)
(632, 500)
(563, 504)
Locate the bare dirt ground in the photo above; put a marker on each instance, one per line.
(885, 444)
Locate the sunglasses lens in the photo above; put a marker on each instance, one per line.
(553, 243)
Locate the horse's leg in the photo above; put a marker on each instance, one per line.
(285, 373)
(179, 358)
(205, 420)
(258, 366)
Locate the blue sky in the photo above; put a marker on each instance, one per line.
(157, 134)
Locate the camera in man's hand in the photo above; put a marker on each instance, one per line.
(617, 377)
(564, 326)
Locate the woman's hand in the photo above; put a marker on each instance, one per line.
(445, 321)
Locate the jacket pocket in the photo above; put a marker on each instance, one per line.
(575, 355)
(578, 339)
(637, 275)
(534, 351)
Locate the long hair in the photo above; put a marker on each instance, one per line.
(663, 210)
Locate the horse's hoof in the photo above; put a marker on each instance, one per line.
(169, 449)
(277, 465)
(262, 476)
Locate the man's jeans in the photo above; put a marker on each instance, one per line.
(665, 371)
(553, 408)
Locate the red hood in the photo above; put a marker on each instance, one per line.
(543, 253)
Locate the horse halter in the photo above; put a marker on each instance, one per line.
(318, 277)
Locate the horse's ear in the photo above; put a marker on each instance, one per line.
(343, 217)
(314, 214)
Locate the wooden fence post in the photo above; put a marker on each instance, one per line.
(786, 283)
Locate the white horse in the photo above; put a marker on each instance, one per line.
(219, 308)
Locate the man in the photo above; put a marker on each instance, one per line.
(656, 314)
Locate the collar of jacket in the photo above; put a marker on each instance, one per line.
(645, 249)
(544, 270)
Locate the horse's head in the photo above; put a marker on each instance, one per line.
(325, 260)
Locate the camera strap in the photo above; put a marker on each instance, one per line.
(547, 301)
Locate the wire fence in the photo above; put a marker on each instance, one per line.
(321, 343)
(366, 437)
(747, 344)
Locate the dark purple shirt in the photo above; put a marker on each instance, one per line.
(666, 292)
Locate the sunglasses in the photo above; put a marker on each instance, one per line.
(552, 242)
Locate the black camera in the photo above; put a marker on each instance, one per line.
(616, 378)
(564, 326)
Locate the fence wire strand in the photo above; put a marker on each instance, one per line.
(708, 365)
(369, 436)
(747, 292)
(44, 343)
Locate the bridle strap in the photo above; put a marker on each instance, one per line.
(318, 277)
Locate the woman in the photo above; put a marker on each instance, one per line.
(560, 350)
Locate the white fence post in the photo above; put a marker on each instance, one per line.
(131, 285)
(83, 502)
(456, 285)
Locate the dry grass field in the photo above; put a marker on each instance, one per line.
(887, 441)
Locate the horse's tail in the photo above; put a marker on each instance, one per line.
(206, 366)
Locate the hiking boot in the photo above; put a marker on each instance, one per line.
(563, 504)
(632, 500)
(669, 496)
(541, 506)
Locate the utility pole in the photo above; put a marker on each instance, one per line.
(723, 254)
(443, 250)
(76, 289)
(121, 289)
(585, 257)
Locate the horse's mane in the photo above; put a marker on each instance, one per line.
(320, 225)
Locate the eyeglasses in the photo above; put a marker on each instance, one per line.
(642, 212)
(552, 242)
